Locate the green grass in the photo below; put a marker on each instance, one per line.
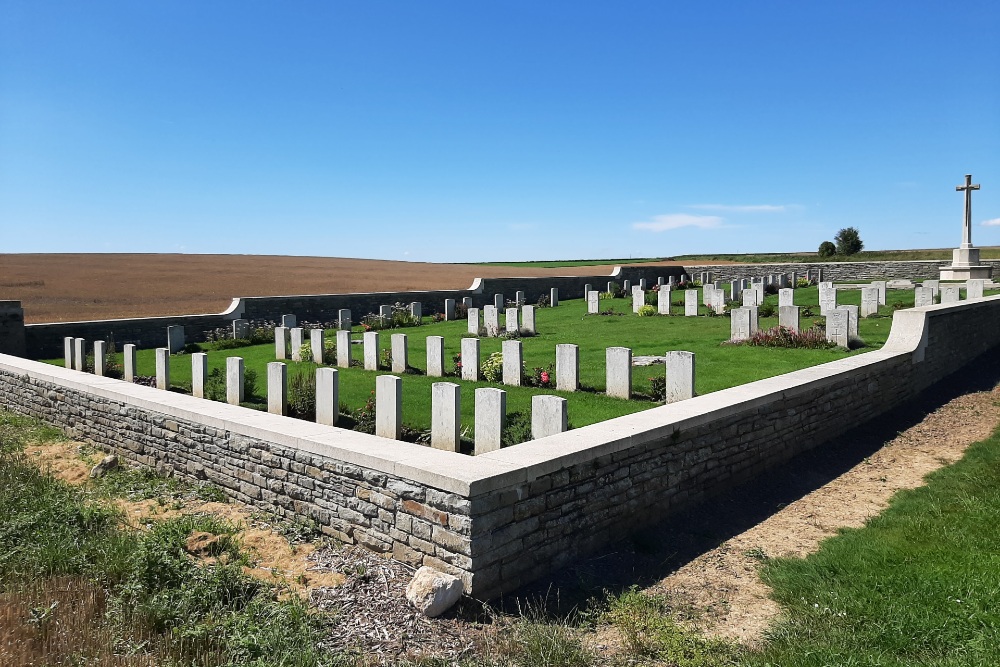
(718, 366)
(918, 585)
(989, 252)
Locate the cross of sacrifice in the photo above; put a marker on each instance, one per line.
(967, 224)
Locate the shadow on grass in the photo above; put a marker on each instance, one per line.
(655, 551)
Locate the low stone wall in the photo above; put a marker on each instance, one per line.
(45, 341)
(834, 270)
(503, 519)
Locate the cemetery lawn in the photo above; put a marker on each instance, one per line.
(917, 585)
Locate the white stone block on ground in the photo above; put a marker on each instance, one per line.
(935, 287)
(449, 309)
(199, 374)
(974, 289)
(343, 348)
(241, 329)
(923, 296)
(389, 406)
(548, 416)
(400, 353)
(691, 303)
(786, 297)
(618, 371)
(680, 376)
(593, 302)
(470, 359)
(175, 339)
(234, 380)
(951, 294)
(277, 388)
(567, 367)
(706, 295)
(528, 319)
(128, 362)
(327, 396)
(638, 299)
(370, 345)
(837, 327)
(289, 321)
(491, 321)
(295, 338)
(663, 300)
(100, 358)
(68, 352)
(446, 416)
(788, 317)
(281, 339)
(510, 320)
(513, 362)
(344, 319)
(869, 301)
(316, 345)
(162, 368)
(759, 288)
(433, 592)
(473, 314)
(642, 284)
(435, 356)
(490, 418)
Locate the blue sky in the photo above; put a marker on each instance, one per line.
(472, 131)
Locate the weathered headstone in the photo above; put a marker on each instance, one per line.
(593, 302)
(935, 287)
(400, 353)
(519, 299)
(388, 406)
(786, 297)
(627, 286)
(638, 299)
(446, 416)
(951, 294)
(510, 320)
(241, 329)
(473, 314)
(199, 374)
(467, 302)
(869, 301)
(277, 388)
(435, 356)
(749, 298)
(827, 297)
(567, 367)
(370, 345)
(642, 284)
(618, 371)
(663, 300)
(289, 321)
(852, 320)
(490, 419)
(923, 296)
(79, 354)
(528, 319)
(234, 380)
(491, 321)
(128, 362)
(470, 359)
(343, 348)
(344, 319)
(385, 314)
(881, 286)
(162, 368)
(513, 358)
(788, 317)
(100, 358)
(691, 303)
(548, 416)
(680, 376)
(68, 352)
(718, 304)
(295, 336)
(498, 302)
(742, 323)
(416, 310)
(175, 339)
(316, 345)
(281, 337)
(327, 396)
(587, 289)
(554, 296)
(837, 327)
(449, 309)
(974, 288)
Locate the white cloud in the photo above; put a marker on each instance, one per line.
(993, 222)
(662, 223)
(743, 208)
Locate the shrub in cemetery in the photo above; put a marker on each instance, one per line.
(784, 337)
(827, 249)
(329, 351)
(658, 387)
(652, 297)
(543, 301)
(540, 377)
(457, 360)
(615, 291)
(364, 417)
(461, 311)
(302, 395)
(804, 282)
(215, 384)
(766, 310)
(647, 310)
(492, 368)
(517, 430)
(399, 318)
(770, 289)
(385, 360)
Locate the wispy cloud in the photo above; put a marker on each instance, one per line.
(993, 222)
(662, 223)
(741, 208)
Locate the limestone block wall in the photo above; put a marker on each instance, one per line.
(834, 270)
(503, 519)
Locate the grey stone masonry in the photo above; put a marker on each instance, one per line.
(470, 359)
(490, 419)
(788, 317)
(680, 376)
(473, 314)
(199, 374)
(370, 345)
(289, 321)
(567, 367)
(618, 371)
(593, 302)
(327, 396)
(880, 285)
(498, 302)
(343, 348)
(691, 303)
(388, 406)
(234, 380)
(549, 416)
(344, 319)
(400, 353)
(510, 320)
(128, 361)
(827, 297)
(316, 345)
(528, 319)
(974, 289)
(869, 301)
(923, 296)
(416, 310)
(68, 352)
(162, 368)
(491, 321)
(295, 336)
(513, 362)
(743, 323)
(837, 323)
(100, 358)
(241, 328)
(277, 388)
(638, 299)
(281, 339)
(435, 356)
(449, 309)
(446, 416)
(663, 300)
(950, 293)
(175, 339)
(786, 297)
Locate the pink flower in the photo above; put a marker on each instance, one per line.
(545, 377)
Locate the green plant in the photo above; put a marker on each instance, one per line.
(658, 387)
(329, 351)
(491, 369)
(766, 310)
(647, 310)
(827, 249)
(302, 395)
(517, 429)
(848, 241)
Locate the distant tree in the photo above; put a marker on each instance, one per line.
(827, 249)
(848, 241)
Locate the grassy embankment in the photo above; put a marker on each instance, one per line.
(718, 366)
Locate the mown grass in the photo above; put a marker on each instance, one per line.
(988, 252)
(718, 366)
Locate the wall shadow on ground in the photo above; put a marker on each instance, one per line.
(659, 549)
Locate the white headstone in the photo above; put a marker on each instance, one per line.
(289, 321)
(513, 365)
(435, 356)
(79, 354)
(827, 297)
(837, 326)
(68, 352)
(128, 362)
(388, 407)
(788, 317)
(199, 374)
(385, 314)
(344, 319)
(234, 380)
(593, 302)
(974, 289)
(295, 336)
(417, 310)
(327, 396)
(528, 319)
(370, 346)
(680, 376)
(880, 285)
(343, 348)
(663, 300)
(175, 339)
(554, 296)
(162, 368)
(510, 320)
(446, 416)
(281, 337)
(316, 344)
(277, 388)
(951, 294)
(491, 419)
(718, 304)
(691, 303)
(548, 416)
(470, 359)
(519, 299)
(491, 321)
(567, 367)
(618, 371)
(400, 358)
(473, 314)
(786, 297)
(449, 309)
(241, 329)
(638, 299)
(498, 302)
(742, 323)
(101, 358)
(869, 301)
(923, 296)
(749, 298)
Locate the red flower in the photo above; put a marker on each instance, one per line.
(545, 377)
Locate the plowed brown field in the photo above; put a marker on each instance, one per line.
(72, 287)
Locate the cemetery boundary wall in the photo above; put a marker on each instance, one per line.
(45, 341)
(912, 270)
(506, 518)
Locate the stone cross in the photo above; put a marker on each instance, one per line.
(967, 224)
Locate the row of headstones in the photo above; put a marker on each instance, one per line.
(928, 292)
(841, 323)
(871, 297)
